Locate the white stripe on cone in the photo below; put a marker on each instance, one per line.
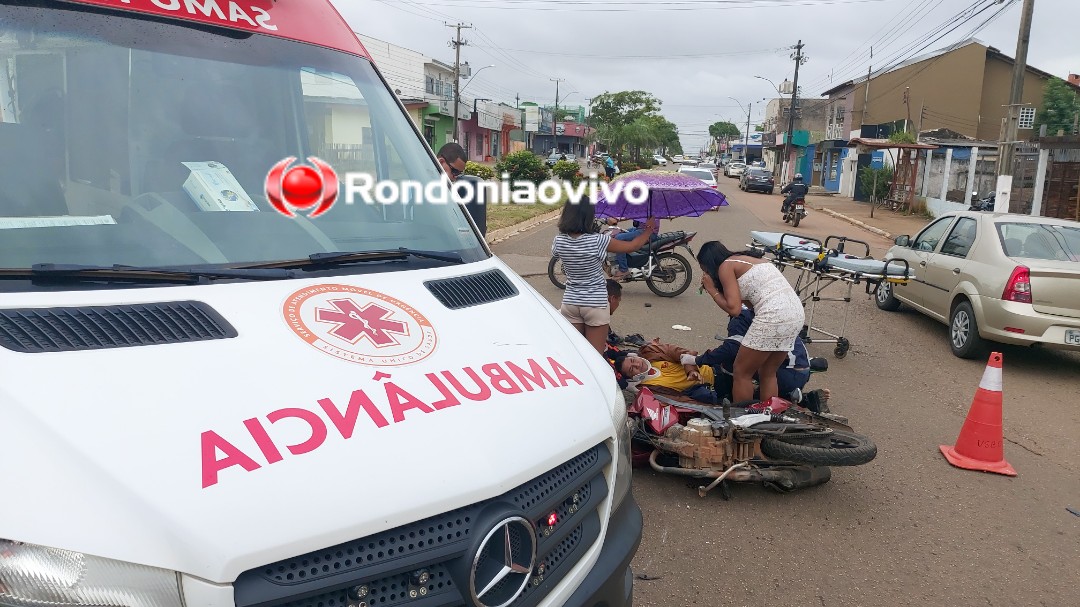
(991, 379)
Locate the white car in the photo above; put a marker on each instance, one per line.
(660, 160)
(734, 169)
(677, 158)
(702, 174)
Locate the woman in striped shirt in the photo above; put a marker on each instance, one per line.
(582, 251)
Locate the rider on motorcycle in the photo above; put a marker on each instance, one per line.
(794, 190)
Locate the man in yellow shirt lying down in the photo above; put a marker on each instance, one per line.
(667, 368)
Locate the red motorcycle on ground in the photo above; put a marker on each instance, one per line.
(774, 442)
(666, 272)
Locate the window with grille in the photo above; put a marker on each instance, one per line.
(1027, 117)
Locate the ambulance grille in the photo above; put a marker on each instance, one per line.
(379, 569)
(472, 290)
(33, 330)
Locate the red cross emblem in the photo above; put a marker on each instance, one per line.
(354, 323)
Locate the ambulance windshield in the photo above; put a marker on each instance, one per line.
(148, 143)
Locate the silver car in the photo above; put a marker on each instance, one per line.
(1012, 279)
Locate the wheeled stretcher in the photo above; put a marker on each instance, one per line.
(824, 264)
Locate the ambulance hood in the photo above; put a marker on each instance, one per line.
(213, 457)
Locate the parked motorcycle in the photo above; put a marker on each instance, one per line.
(983, 204)
(666, 272)
(795, 212)
(774, 442)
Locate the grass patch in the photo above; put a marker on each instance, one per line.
(503, 215)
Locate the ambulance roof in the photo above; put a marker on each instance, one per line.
(312, 21)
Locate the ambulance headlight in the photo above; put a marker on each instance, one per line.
(623, 470)
(36, 576)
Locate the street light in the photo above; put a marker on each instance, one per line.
(457, 96)
(475, 74)
(746, 138)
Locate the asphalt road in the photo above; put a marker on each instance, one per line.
(905, 529)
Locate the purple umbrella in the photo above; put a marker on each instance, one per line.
(669, 195)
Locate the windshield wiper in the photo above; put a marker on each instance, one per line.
(121, 273)
(329, 260)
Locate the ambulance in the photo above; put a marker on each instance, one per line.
(225, 384)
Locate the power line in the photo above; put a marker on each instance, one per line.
(583, 6)
(894, 30)
(665, 56)
(911, 49)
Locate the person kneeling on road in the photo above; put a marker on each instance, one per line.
(791, 378)
(794, 190)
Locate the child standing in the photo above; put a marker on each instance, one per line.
(582, 251)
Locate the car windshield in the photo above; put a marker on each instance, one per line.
(1040, 241)
(760, 173)
(702, 175)
(123, 139)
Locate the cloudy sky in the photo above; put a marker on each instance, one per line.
(695, 55)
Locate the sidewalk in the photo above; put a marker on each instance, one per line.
(884, 223)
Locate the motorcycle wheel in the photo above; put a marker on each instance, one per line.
(671, 276)
(555, 273)
(795, 221)
(843, 449)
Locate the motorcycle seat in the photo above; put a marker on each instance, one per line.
(668, 238)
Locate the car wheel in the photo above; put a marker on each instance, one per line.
(885, 299)
(964, 336)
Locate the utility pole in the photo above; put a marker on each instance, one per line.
(866, 95)
(746, 143)
(922, 115)
(457, 43)
(555, 114)
(1007, 147)
(907, 103)
(799, 60)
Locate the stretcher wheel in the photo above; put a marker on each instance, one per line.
(842, 346)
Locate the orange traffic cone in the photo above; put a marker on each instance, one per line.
(979, 446)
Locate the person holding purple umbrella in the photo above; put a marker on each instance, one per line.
(621, 263)
(582, 250)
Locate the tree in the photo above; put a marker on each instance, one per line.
(719, 130)
(723, 130)
(1060, 107)
(631, 121)
(623, 107)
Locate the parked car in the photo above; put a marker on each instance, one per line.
(995, 277)
(677, 159)
(660, 160)
(557, 156)
(734, 169)
(702, 174)
(757, 180)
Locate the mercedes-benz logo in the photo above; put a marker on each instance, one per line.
(502, 566)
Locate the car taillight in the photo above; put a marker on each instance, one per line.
(1019, 286)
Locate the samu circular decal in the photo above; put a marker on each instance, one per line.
(360, 325)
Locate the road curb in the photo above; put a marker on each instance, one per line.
(497, 236)
(856, 222)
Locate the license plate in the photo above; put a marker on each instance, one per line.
(798, 207)
(1072, 337)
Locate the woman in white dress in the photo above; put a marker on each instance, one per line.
(735, 278)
